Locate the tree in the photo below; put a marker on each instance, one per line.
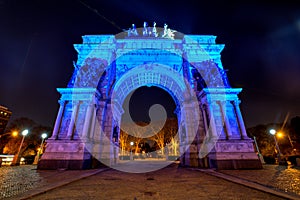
(266, 142)
(172, 136)
(168, 134)
(123, 141)
(161, 136)
(131, 134)
(295, 128)
(32, 140)
(174, 146)
(159, 139)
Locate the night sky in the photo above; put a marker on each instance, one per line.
(262, 48)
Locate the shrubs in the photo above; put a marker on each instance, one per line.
(269, 159)
(293, 158)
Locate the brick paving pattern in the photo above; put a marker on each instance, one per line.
(282, 178)
(18, 179)
(168, 183)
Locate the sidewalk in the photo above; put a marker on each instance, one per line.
(52, 179)
(172, 182)
(277, 177)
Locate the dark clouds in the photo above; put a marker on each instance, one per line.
(262, 45)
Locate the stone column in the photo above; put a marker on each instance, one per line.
(240, 119)
(72, 122)
(204, 119)
(212, 123)
(58, 120)
(93, 124)
(87, 120)
(225, 118)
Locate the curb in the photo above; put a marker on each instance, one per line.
(249, 184)
(37, 191)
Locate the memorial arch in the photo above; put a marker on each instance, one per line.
(211, 128)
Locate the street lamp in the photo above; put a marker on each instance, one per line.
(131, 144)
(44, 135)
(16, 160)
(40, 150)
(273, 132)
(258, 152)
(14, 133)
(279, 134)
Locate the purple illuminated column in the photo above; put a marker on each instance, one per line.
(58, 120)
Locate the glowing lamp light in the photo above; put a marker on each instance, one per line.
(279, 134)
(131, 143)
(44, 135)
(25, 132)
(272, 132)
(15, 133)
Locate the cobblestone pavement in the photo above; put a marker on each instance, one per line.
(282, 178)
(168, 183)
(172, 182)
(18, 179)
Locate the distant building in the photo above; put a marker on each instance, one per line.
(4, 118)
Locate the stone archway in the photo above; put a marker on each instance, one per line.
(169, 80)
(109, 68)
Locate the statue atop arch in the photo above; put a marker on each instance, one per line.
(151, 32)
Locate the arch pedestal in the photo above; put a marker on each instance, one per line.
(233, 149)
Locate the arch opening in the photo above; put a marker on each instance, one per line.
(163, 144)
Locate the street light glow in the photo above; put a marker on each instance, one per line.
(44, 135)
(272, 131)
(279, 134)
(16, 160)
(15, 133)
(25, 132)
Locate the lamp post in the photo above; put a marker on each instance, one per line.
(37, 158)
(131, 144)
(259, 154)
(291, 142)
(273, 132)
(16, 159)
(44, 135)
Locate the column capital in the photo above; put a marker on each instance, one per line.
(236, 102)
(61, 102)
(75, 102)
(221, 102)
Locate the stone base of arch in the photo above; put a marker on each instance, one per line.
(235, 154)
(66, 154)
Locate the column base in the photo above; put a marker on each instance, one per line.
(65, 164)
(66, 154)
(235, 164)
(234, 154)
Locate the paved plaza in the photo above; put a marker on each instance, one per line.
(172, 182)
